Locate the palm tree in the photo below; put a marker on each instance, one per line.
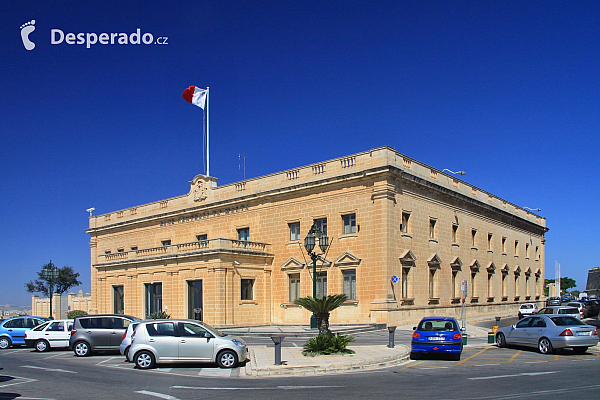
(321, 307)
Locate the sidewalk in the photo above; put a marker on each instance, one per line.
(262, 358)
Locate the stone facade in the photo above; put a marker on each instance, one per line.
(61, 304)
(402, 236)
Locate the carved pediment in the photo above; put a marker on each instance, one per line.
(456, 264)
(347, 260)
(408, 258)
(491, 267)
(292, 264)
(475, 266)
(538, 273)
(528, 272)
(517, 270)
(434, 261)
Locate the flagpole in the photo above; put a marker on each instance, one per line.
(207, 137)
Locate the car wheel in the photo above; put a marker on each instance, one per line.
(580, 350)
(82, 349)
(500, 340)
(455, 357)
(41, 346)
(415, 355)
(144, 360)
(227, 359)
(520, 315)
(545, 346)
(4, 343)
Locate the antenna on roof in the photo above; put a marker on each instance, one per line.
(240, 163)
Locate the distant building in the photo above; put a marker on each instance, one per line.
(403, 236)
(593, 282)
(61, 305)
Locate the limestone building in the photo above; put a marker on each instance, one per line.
(402, 237)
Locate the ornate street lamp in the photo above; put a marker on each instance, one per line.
(50, 274)
(309, 244)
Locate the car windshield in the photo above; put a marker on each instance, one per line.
(437, 325)
(566, 321)
(214, 330)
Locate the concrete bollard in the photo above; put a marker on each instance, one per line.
(391, 330)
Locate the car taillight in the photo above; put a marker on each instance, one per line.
(73, 331)
(566, 332)
(416, 335)
(595, 333)
(457, 336)
(123, 338)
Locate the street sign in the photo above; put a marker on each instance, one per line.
(464, 287)
(395, 279)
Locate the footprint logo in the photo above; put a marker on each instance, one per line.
(26, 29)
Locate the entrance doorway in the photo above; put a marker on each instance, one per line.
(195, 300)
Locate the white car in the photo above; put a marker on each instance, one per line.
(126, 341)
(51, 334)
(527, 309)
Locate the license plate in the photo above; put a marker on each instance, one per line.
(435, 338)
(588, 333)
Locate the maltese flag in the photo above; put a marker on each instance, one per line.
(196, 96)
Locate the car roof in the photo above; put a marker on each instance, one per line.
(438, 319)
(108, 315)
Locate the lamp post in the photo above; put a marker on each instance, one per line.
(533, 209)
(50, 274)
(455, 173)
(309, 244)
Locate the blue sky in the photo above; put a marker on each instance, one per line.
(506, 91)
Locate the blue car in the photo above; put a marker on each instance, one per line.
(436, 335)
(12, 330)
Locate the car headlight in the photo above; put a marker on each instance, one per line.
(238, 343)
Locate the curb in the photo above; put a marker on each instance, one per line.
(252, 369)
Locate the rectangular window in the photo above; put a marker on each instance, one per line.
(454, 233)
(405, 219)
(153, 298)
(431, 283)
(294, 287)
(432, 222)
(490, 235)
(405, 272)
(350, 283)
(473, 237)
(526, 250)
(201, 238)
(537, 253)
(473, 276)
(349, 223)
(134, 248)
(454, 275)
(294, 231)
(322, 284)
(166, 242)
(516, 248)
(503, 245)
(503, 285)
(247, 289)
(489, 284)
(118, 301)
(322, 225)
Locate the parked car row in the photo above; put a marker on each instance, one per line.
(144, 342)
(585, 309)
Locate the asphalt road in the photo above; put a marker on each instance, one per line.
(482, 373)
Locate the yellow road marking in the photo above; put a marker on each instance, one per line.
(515, 356)
(556, 357)
(474, 355)
(417, 363)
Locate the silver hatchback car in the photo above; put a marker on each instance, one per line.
(170, 341)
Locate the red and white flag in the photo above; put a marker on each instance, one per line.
(196, 96)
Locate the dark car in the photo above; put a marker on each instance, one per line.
(553, 301)
(439, 335)
(98, 333)
(590, 308)
(12, 330)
